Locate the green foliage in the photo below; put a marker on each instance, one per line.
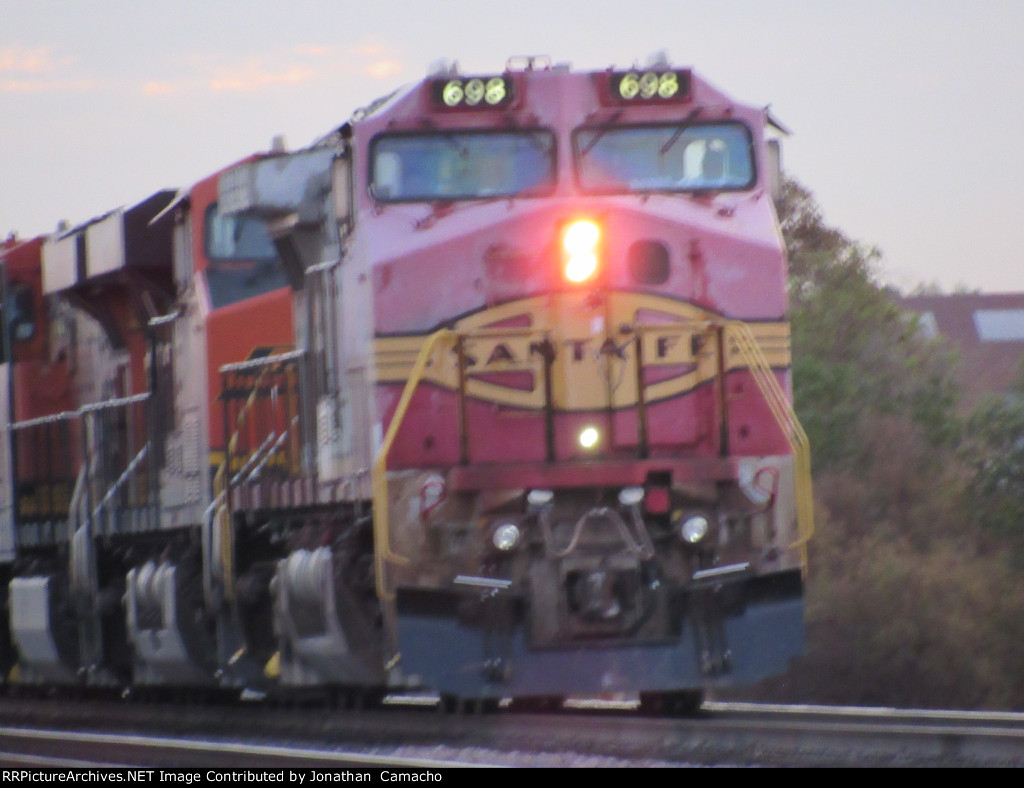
(912, 599)
(856, 355)
(993, 454)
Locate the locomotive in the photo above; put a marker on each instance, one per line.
(486, 393)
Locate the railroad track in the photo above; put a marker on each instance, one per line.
(57, 733)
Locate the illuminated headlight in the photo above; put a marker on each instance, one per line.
(693, 529)
(539, 497)
(588, 437)
(580, 267)
(506, 537)
(581, 242)
(631, 496)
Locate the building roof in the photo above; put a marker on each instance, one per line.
(987, 331)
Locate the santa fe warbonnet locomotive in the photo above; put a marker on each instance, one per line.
(486, 393)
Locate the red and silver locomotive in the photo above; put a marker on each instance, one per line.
(526, 432)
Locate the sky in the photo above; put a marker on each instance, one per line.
(907, 116)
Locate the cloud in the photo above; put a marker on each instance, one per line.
(162, 88)
(219, 75)
(253, 75)
(36, 70)
(382, 69)
(376, 60)
(46, 86)
(370, 50)
(304, 63)
(314, 50)
(35, 60)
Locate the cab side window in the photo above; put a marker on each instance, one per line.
(21, 321)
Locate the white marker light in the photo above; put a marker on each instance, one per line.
(506, 537)
(589, 437)
(694, 529)
(631, 496)
(539, 497)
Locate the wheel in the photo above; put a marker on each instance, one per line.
(537, 704)
(678, 703)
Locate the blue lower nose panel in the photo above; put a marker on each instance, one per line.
(485, 653)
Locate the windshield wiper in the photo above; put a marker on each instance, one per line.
(687, 122)
(458, 143)
(600, 133)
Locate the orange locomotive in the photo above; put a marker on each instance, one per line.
(534, 438)
(114, 419)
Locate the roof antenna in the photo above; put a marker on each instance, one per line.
(658, 60)
(443, 68)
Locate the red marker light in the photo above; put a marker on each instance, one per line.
(581, 240)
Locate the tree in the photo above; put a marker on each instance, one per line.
(907, 604)
(992, 449)
(856, 355)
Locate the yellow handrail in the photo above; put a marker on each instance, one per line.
(752, 356)
(220, 479)
(786, 418)
(381, 527)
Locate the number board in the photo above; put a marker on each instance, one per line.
(470, 93)
(652, 86)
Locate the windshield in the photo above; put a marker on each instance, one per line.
(462, 165)
(676, 157)
(242, 260)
